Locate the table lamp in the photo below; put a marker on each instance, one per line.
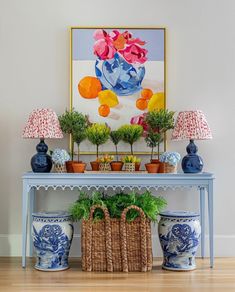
(191, 125)
(42, 123)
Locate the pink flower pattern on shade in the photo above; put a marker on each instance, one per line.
(107, 45)
(42, 123)
(191, 125)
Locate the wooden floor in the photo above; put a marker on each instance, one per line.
(221, 278)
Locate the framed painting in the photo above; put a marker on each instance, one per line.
(117, 75)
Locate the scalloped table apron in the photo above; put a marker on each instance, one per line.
(34, 181)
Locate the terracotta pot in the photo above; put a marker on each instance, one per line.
(137, 166)
(161, 167)
(155, 161)
(116, 165)
(152, 167)
(69, 166)
(79, 167)
(94, 165)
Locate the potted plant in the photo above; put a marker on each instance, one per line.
(75, 124)
(116, 137)
(59, 158)
(130, 162)
(131, 134)
(97, 134)
(169, 162)
(152, 140)
(104, 162)
(159, 121)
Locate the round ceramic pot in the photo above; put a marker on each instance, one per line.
(120, 76)
(179, 234)
(52, 234)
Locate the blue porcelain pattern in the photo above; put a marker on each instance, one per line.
(52, 236)
(118, 75)
(179, 235)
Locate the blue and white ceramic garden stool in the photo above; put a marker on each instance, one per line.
(52, 234)
(179, 234)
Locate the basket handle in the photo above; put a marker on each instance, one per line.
(108, 241)
(142, 238)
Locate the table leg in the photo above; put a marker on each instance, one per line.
(25, 197)
(31, 210)
(202, 217)
(211, 227)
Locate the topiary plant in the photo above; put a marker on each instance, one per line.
(75, 124)
(153, 140)
(98, 134)
(130, 134)
(116, 137)
(160, 121)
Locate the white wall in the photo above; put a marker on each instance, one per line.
(34, 72)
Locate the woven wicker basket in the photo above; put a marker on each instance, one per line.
(116, 245)
(104, 166)
(61, 168)
(170, 168)
(130, 167)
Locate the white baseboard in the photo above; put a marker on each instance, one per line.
(11, 244)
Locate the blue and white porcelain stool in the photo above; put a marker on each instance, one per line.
(179, 234)
(52, 234)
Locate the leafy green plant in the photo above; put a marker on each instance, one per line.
(130, 134)
(115, 204)
(98, 134)
(116, 137)
(153, 140)
(160, 121)
(74, 123)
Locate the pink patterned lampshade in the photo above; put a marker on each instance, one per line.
(42, 123)
(191, 125)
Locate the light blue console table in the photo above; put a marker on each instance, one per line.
(34, 181)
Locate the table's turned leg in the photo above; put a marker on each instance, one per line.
(202, 218)
(31, 210)
(25, 196)
(211, 223)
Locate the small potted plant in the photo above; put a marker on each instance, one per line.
(169, 162)
(75, 124)
(59, 158)
(159, 121)
(104, 162)
(116, 137)
(131, 134)
(97, 134)
(130, 162)
(152, 140)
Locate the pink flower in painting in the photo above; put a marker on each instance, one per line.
(134, 54)
(103, 50)
(140, 120)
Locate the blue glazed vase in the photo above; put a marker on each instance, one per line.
(52, 236)
(179, 234)
(120, 76)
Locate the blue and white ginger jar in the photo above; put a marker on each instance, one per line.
(52, 236)
(179, 234)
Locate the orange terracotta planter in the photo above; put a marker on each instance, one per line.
(94, 165)
(79, 167)
(137, 166)
(116, 165)
(152, 167)
(69, 166)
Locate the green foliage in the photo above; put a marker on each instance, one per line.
(116, 137)
(74, 123)
(98, 134)
(150, 204)
(131, 159)
(131, 133)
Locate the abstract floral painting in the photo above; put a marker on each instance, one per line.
(117, 74)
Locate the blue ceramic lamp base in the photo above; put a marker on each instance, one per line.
(192, 163)
(41, 162)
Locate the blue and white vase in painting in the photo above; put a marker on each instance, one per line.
(52, 234)
(119, 76)
(179, 234)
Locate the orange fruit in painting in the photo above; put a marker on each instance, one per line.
(104, 110)
(89, 87)
(146, 93)
(141, 103)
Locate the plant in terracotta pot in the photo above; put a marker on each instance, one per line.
(75, 124)
(116, 137)
(131, 134)
(159, 121)
(152, 140)
(97, 134)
